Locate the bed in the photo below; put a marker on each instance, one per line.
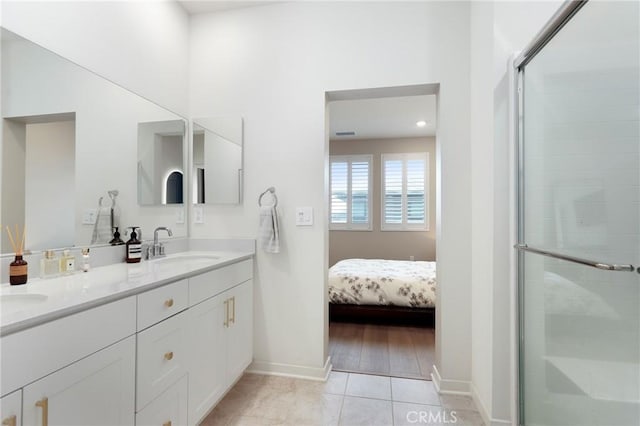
(383, 291)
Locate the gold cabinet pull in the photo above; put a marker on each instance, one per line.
(226, 313)
(168, 356)
(168, 303)
(10, 421)
(167, 423)
(233, 310)
(44, 404)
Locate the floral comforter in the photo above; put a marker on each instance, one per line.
(383, 282)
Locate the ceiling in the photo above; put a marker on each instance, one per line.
(194, 7)
(393, 117)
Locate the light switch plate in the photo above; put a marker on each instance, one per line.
(198, 214)
(304, 216)
(89, 216)
(180, 215)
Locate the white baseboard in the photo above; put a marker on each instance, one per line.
(482, 409)
(288, 370)
(449, 387)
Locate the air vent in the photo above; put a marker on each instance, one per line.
(345, 133)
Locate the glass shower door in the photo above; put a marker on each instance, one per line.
(579, 228)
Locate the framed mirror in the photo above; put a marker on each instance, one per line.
(217, 160)
(70, 153)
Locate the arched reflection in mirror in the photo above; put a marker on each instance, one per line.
(173, 188)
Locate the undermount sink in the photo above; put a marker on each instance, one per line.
(22, 299)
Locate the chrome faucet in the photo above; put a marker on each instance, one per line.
(157, 249)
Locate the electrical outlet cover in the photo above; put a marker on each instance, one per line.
(89, 216)
(198, 214)
(304, 216)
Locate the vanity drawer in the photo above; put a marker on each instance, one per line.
(209, 284)
(156, 305)
(11, 409)
(170, 408)
(162, 358)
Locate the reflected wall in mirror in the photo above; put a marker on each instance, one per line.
(217, 160)
(160, 162)
(68, 137)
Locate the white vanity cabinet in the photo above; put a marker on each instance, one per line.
(168, 409)
(207, 349)
(239, 330)
(160, 357)
(220, 338)
(78, 369)
(11, 409)
(97, 390)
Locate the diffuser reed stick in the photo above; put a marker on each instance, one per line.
(20, 237)
(13, 243)
(24, 233)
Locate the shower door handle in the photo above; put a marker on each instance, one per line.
(598, 265)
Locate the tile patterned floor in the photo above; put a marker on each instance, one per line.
(346, 399)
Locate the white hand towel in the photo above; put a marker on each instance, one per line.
(269, 229)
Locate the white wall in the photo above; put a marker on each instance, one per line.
(498, 30)
(481, 197)
(141, 45)
(272, 65)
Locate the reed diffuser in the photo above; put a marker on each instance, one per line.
(18, 268)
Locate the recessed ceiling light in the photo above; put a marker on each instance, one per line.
(421, 123)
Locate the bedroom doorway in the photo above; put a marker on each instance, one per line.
(381, 230)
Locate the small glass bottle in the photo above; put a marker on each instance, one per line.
(49, 265)
(18, 271)
(67, 263)
(85, 260)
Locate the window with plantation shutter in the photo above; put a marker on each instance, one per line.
(350, 189)
(404, 192)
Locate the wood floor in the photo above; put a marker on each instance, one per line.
(394, 351)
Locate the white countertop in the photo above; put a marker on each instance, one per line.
(43, 300)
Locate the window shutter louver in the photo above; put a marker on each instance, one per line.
(404, 192)
(350, 181)
(415, 191)
(339, 191)
(360, 192)
(393, 191)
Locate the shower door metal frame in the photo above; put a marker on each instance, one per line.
(568, 9)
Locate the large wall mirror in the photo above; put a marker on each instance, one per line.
(160, 162)
(73, 146)
(217, 160)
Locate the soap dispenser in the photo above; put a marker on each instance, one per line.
(133, 247)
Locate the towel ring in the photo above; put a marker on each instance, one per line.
(272, 191)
